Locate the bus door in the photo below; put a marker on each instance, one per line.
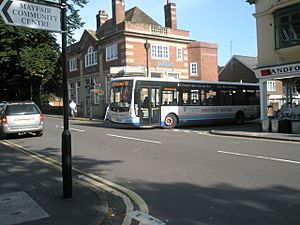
(149, 106)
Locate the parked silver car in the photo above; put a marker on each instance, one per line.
(21, 117)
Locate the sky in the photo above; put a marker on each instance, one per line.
(228, 23)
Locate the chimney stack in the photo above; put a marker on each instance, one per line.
(101, 18)
(118, 11)
(170, 15)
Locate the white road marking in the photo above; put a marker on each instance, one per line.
(71, 128)
(76, 129)
(260, 157)
(136, 139)
(145, 218)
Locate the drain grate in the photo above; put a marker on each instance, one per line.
(19, 207)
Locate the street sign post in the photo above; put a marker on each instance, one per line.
(28, 14)
(45, 17)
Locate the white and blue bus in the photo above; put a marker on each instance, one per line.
(144, 102)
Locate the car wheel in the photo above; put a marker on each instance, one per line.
(171, 121)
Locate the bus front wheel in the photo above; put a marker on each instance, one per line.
(171, 121)
(239, 118)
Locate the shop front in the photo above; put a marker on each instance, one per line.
(286, 117)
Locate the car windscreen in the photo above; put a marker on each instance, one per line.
(26, 109)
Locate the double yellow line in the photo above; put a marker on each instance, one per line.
(129, 197)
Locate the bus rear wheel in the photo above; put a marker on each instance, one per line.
(171, 121)
(239, 118)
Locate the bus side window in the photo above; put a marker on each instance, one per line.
(211, 97)
(202, 97)
(169, 98)
(195, 97)
(185, 98)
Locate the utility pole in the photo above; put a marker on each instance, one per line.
(66, 135)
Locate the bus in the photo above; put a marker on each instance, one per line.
(169, 103)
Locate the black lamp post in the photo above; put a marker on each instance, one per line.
(66, 135)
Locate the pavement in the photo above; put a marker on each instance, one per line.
(31, 193)
(253, 130)
(31, 187)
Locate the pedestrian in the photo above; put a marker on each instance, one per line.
(73, 108)
(270, 112)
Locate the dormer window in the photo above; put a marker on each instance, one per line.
(90, 59)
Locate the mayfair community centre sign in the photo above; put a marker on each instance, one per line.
(27, 14)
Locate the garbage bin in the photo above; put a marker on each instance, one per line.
(295, 126)
(285, 126)
(265, 125)
(275, 125)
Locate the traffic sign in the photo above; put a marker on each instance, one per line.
(27, 14)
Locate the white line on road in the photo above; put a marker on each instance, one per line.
(136, 139)
(76, 129)
(260, 157)
(72, 128)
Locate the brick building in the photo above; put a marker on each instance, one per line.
(133, 44)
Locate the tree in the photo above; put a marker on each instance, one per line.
(30, 60)
(74, 21)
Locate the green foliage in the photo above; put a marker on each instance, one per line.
(74, 21)
(30, 60)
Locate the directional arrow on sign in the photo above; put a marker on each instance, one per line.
(5, 9)
(27, 14)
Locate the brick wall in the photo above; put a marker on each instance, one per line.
(205, 55)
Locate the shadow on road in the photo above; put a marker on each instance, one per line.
(222, 204)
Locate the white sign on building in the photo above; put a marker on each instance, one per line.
(27, 14)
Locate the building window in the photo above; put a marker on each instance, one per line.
(74, 91)
(90, 57)
(179, 54)
(156, 75)
(194, 69)
(271, 86)
(173, 75)
(73, 64)
(112, 52)
(77, 92)
(159, 52)
(96, 97)
(287, 25)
